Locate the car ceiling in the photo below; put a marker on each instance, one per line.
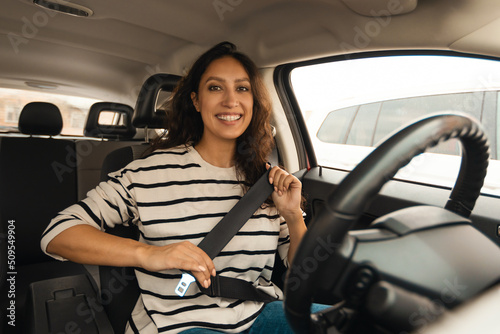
(109, 54)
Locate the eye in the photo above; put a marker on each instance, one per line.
(214, 88)
(243, 89)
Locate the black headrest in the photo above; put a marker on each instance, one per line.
(40, 118)
(124, 129)
(145, 114)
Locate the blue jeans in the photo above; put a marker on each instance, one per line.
(271, 320)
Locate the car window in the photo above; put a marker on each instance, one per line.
(351, 105)
(73, 109)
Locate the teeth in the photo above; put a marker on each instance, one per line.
(229, 118)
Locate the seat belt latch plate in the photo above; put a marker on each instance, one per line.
(184, 284)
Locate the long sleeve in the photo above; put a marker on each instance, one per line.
(108, 204)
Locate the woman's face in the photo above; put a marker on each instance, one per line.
(225, 100)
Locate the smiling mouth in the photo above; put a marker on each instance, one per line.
(229, 118)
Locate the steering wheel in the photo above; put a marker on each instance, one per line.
(352, 197)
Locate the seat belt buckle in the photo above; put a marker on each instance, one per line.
(184, 284)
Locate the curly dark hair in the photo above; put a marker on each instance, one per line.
(184, 125)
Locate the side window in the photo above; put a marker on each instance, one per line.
(368, 99)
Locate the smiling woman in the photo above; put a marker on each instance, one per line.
(177, 194)
(225, 102)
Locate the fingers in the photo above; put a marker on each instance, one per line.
(205, 268)
(276, 178)
(200, 264)
(282, 180)
(184, 256)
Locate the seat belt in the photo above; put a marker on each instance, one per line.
(220, 235)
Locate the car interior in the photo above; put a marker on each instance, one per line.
(388, 254)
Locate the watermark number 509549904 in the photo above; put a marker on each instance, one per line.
(11, 272)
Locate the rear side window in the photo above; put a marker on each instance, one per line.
(351, 105)
(73, 109)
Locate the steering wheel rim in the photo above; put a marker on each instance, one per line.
(352, 197)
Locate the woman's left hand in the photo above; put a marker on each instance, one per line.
(287, 194)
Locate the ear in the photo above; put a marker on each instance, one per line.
(194, 98)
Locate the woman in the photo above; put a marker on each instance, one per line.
(216, 146)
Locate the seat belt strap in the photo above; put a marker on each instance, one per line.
(230, 287)
(232, 222)
(218, 238)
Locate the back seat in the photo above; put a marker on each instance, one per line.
(40, 176)
(32, 188)
(31, 194)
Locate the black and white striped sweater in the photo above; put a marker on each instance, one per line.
(174, 195)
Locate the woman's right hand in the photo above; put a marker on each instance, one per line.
(184, 256)
(85, 244)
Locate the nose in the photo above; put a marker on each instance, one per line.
(230, 99)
